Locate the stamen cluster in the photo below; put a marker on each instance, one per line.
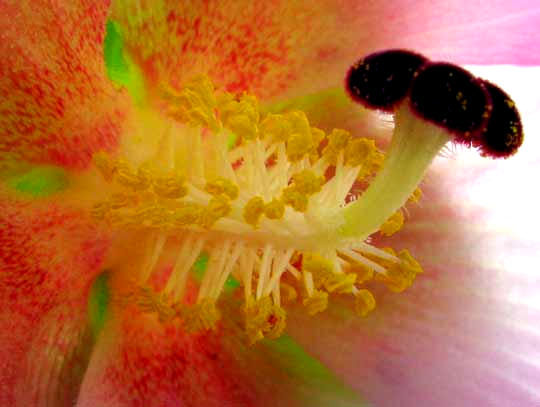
(260, 195)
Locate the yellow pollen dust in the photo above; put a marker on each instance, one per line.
(259, 211)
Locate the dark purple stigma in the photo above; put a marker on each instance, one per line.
(451, 98)
(503, 134)
(381, 80)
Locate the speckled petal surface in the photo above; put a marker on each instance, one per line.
(282, 48)
(49, 255)
(140, 362)
(57, 105)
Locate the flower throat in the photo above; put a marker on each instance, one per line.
(261, 198)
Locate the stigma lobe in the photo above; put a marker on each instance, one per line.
(451, 98)
(503, 133)
(381, 80)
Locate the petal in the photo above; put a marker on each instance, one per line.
(284, 48)
(466, 332)
(464, 32)
(49, 255)
(140, 362)
(57, 105)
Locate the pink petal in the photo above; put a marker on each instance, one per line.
(57, 104)
(465, 32)
(140, 362)
(49, 255)
(466, 333)
(284, 48)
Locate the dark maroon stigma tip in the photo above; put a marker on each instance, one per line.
(381, 80)
(451, 98)
(503, 134)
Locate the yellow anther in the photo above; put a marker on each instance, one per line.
(288, 293)
(217, 208)
(317, 136)
(306, 182)
(170, 187)
(365, 302)
(292, 197)
(275, 128)
(100, 210)
(188, 214)
(194, 104)
(146, 300)
(298, 145)
(263, 318)
(316, 264)
(149, 301)
(250, 107)
(363, 273)
(416, 196)
(318, 302)
(298, 121)
(300, 141)
(358, 151)
(121, 200)
(277, 322)
(200, 317)
(275, 209)
(105, 165)
(118, 219)
(159, 217)
(144, 172)
(337, 142)
(145, 212)
(393, 224)
(372, 164)
(240, 116)
(341, 283)
(222, 186)
(126, 177)
(253, 210)
(410, 262)
(204, 87)
(242, 126)
(400, 276)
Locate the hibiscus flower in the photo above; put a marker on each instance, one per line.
(108, 300)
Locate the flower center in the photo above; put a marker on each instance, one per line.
(266, 198)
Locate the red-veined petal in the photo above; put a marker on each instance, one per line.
(56, 104)
(140, 362)
(49, 255)
(282, 48)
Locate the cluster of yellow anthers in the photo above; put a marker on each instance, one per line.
(256, 193)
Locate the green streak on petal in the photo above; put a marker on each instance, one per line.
(231, 283)
(40, 181)
(120, 68)
(199, 268)
(314, 384)
(98, 302)
(113, 49)
(231, 141)
(316, 104)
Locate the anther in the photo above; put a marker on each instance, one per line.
(365, 302)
